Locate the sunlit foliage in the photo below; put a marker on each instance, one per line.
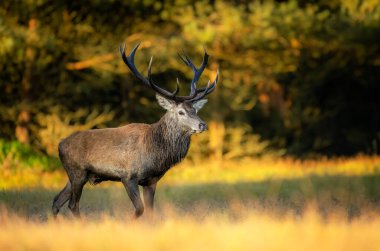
(298, 77)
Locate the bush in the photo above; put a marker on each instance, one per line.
(14, 155)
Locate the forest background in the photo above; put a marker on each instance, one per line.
(298, 78)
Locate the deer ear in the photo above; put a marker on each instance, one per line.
(164, 103)
(199, 104)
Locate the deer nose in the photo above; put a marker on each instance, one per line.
(202, 126)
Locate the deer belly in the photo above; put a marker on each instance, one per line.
(95, 178)
(107, 170)
(150, 177)
(149, 181)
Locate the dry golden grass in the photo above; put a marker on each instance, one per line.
(264, 169)
(174, 232)
(243, 207)
(216, 171)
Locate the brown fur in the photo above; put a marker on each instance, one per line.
(135, 154)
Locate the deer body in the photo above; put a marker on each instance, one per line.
(135, 154)
(142, 151)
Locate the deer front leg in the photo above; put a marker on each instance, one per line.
(134, 194)
(149, 197)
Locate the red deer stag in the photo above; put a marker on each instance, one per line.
(135, 154)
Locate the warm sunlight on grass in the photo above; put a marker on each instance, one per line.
(262, 204)
(215, 171)
(250, 232)
(259, 170)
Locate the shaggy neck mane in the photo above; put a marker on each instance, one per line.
(169, 140)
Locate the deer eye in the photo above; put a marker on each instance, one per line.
(181, 113)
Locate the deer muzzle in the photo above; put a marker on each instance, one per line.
(202, 127)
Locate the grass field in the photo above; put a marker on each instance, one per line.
(253, 232)
(260, 205)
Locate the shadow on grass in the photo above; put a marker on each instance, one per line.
(350, 195)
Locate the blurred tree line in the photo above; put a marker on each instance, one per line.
(297, 77)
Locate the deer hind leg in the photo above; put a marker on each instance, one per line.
(78, 180)
(61, 198)
(134, 194)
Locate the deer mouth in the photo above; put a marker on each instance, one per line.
(197, 131)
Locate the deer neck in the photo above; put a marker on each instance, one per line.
(171, 140)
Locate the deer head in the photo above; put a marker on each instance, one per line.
(181, 109)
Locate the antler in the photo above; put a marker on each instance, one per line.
(202, 92)
(195, 94)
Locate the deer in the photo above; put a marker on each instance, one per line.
(137, 154)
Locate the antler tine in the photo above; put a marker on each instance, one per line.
(203, 94)
(213, 86)
(202, 67)
(208, 89)
(195, 94)
(158, 89)
(129, 61)
(197, 71)
(150, 70)
(177, 88)
(187, 60)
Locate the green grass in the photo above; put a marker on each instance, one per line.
(350, 195)
(280, 186)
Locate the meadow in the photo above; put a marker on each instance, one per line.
(297, 78)
(254, 232)
(329, 204)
